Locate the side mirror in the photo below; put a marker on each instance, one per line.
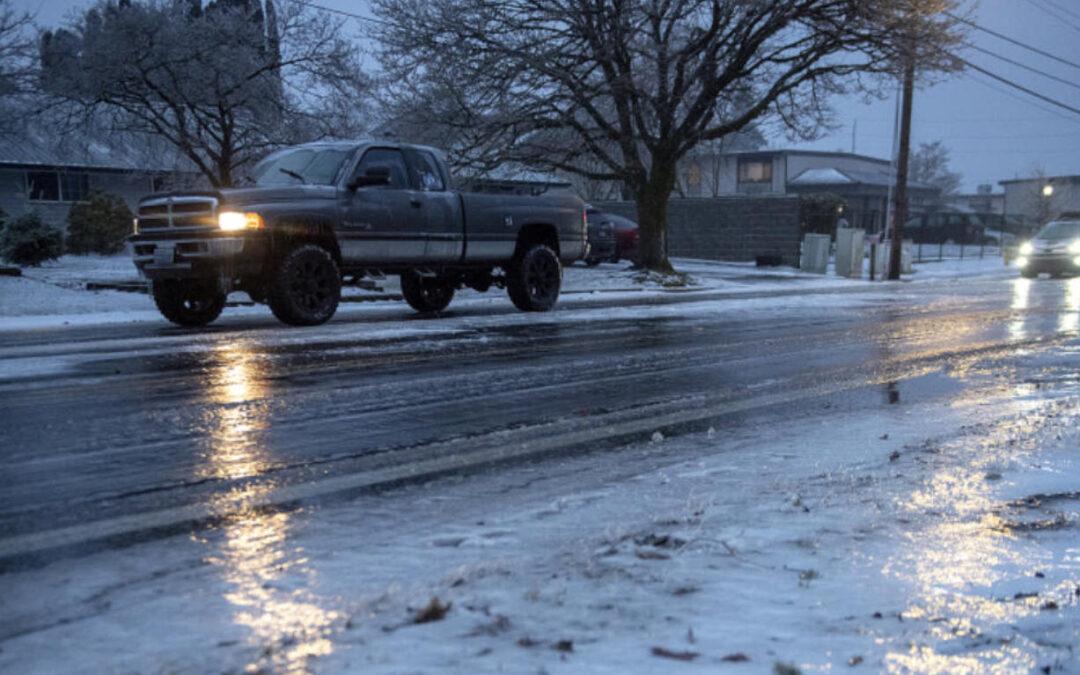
(375, 175)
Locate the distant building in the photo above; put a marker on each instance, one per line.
(862, 182)
(984, 201)
(1037, 200)
(45, 173)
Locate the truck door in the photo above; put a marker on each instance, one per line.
(383, 224)
(441, 208)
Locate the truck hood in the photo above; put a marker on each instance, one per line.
(250, 196)
(263, 195)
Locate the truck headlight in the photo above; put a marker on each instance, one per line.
(1026, 248)
(234, 221)
(1074, 247)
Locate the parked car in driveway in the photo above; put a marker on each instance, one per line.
(611, 237)
(324, 212)
(1055, 249)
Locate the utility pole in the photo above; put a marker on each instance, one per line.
(908, 87)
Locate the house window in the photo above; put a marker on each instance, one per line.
(44, 186)
(74, 187)
(755, 171)
(51, 186)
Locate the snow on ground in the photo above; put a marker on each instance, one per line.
(54, 294)
(931, 536)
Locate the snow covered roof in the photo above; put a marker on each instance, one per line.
(833, 176)
(38, 145)
(820, 177)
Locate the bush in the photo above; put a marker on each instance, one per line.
(29, 241)
(100, 225)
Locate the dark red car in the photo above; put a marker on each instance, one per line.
(611, 238)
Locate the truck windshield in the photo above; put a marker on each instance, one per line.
(312, 166)
(1061, 229)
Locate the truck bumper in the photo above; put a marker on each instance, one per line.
(207, 257)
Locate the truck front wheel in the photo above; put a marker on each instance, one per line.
(188, 303)
(426, 294)
(533, 279)
(305, 286)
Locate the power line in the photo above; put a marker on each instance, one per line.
(1053, 14)
(1065, 10)
(342, 12)
(1018, 64)
(1026, 101)
(1014, 85)
(1014, 41)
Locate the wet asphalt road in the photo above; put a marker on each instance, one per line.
(147, 429)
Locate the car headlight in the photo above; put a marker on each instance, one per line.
(234, 221)
(1026, 248)
(1021, 261)
(1074, 247)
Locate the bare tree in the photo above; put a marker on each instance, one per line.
(16, 64)
(222, 84)
(930, 165)
(637, 84)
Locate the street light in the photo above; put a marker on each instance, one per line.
(1048, 190)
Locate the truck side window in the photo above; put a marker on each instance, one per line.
(392, 159)
(426, 171)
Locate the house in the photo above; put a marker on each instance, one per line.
(1039, 199)
(862, 182)
(984, 201)
(48, 172)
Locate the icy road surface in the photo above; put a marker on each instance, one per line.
(885, 480)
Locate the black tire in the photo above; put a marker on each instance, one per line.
(188, 303)
(593, 262)
(1029, 274)
(533, 280)
(305, 286)
(426, 295)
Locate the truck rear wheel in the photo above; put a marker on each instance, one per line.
(426, 294)
(533, 280)
(188, 303)
(305, 286)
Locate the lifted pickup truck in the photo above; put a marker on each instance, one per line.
(324, 214)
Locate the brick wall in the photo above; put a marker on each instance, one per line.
(728, 228)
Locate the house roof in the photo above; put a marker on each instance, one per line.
(834, 176)
(38, 145)
(813, 153)
(1042, 179)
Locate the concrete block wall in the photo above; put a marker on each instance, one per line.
(737, 228)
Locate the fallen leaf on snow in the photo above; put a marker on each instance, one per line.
(434, 611)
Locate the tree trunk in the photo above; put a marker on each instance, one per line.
(652, 202)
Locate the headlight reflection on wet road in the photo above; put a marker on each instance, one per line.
(268, 577)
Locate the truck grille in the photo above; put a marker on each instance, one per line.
(177, 212)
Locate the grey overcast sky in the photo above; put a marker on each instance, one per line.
(993, 132)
